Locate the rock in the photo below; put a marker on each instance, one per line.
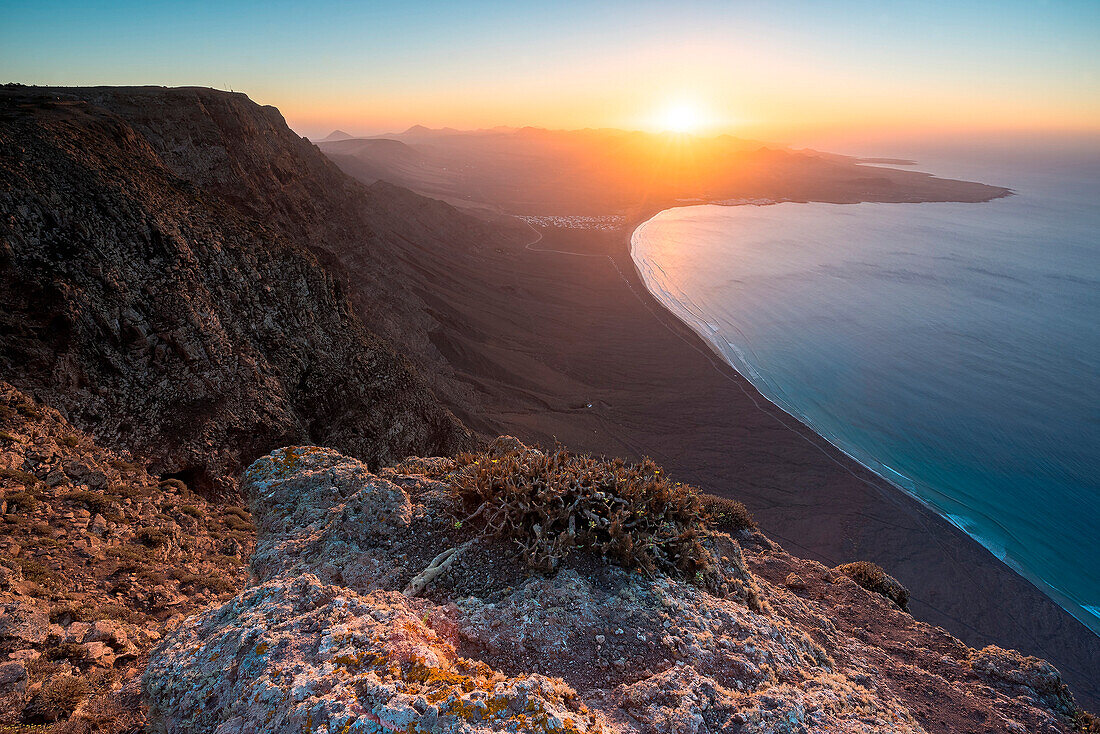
(109, 631)
(100, 653)
(24, 621)
(1024, 674)
(77, 631)
(794, 582)
(13, 677)
(324, 638)
(98, 525)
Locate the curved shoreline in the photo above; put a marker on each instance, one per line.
(682, 308)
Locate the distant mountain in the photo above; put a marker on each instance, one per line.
(533, 170)
(422, 131)
(336, 135)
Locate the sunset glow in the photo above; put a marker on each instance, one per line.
(796, 74)
(679, 117)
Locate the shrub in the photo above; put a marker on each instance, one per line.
(73, 651)
(238, 512)
(1084, 721)
(23, 502)
(211, 581)
(126, 467)
(237, 518)
(190, 510)
(152, 537)
(27, 410)
(173, 484)
(37, 572)
(551, 503)
(727, 514)
(103, 714)
(57, 699)
(19, 477)
(71, 441)
(95, 502)
(871, 577)
(10, 438)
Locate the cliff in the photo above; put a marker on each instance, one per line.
(381, 603)
(166, 282)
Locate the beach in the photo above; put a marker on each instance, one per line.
(562, 342)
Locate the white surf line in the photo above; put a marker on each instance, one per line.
(723, 367)
(887, 494)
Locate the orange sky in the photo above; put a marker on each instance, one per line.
(794, 72)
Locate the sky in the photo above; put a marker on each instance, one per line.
(797, 72)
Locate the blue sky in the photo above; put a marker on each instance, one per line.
(751, 66)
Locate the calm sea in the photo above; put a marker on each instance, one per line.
(952, 348)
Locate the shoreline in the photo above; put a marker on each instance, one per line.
(697, 325)
(558, 352)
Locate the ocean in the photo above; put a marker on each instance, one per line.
(954, 349)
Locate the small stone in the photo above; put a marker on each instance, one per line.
(13, 677)
(794, 581)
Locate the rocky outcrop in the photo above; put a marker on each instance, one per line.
(97, 559)
(165, 282)
(325, 640)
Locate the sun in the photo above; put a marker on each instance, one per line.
(679, 117)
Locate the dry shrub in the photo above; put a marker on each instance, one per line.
(22, 502)
(17, 476)
(871, 577)
(103, 714)
(552, 503)
(57, 699)
(727, 514)
(173, 484)
(1084, 721)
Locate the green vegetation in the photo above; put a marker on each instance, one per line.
(553, 503)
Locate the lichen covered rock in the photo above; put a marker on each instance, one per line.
(325, 641)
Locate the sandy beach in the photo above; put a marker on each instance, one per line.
(560, 341)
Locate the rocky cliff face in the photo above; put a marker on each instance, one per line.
(166, 281)
(361, 617)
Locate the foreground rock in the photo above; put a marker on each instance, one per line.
(325, 640)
